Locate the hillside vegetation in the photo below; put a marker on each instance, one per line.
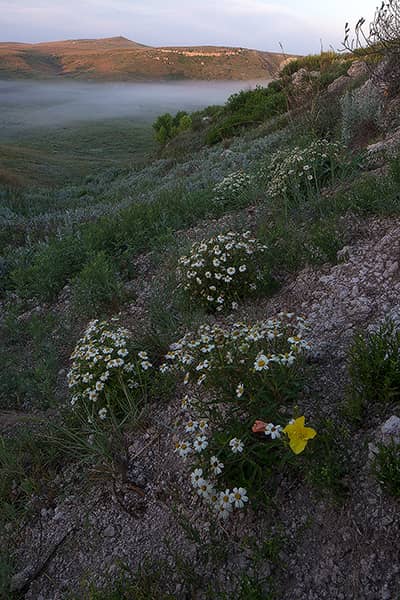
(120, 59)
(200, 377)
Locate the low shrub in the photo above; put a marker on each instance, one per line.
(50, 269)
(386, 468)
(247, 108)
(330, 64)
(234, 190)
(232, 436)
(166, 126)
(122, 236)
(97, 288)
(361, 113)
(374, 370)
(30, 356)
(324, 120)
(109, 384)
(301, 173)
(328, 462)
(28, 462)
(222, 270)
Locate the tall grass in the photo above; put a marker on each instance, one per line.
(121, 237)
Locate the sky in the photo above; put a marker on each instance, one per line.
(301, 26)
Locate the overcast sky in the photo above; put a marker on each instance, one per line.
(298, 24)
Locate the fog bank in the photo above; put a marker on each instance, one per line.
(27, 104)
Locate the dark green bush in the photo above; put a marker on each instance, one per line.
(248, 108)
(30, 361)
(386, 468)
(374, 369)
(50, 269)
(97, 288)
(166, 126)
(28, 461)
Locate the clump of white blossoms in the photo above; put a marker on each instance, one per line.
(245, 350)
(302, 172)
(204, 480)
(239, 363)
(223, 269)
(233, 190)
(104, 373)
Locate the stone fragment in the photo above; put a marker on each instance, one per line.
(358, 69)
(339, 85)
(391, 430)
(109, 531)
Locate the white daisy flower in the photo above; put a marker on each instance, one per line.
(223, 511)
(200, 443)
(216, 466)
(183, 449)
(225, 499)
(201, 379)
(203, 425)
(240, 390)
(191, 426)
(103, 413)
(239, 497)
(185, 402)
(236, 445)
(261, 363)
(196, 476)
(273, 430)
(205, 489)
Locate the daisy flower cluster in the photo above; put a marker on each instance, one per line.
(242, 365)
(233, 189)
(240, 352)
(103, 369)
(222, 502)
(221, 270)
(204, 478)
(302, 172)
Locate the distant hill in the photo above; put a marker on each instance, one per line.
(120, 59)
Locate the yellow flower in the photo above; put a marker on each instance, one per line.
(299, 435)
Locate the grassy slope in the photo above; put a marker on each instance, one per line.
(307, 225)
(56, 156)
(119, 59)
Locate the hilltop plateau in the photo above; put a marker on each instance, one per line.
(120, 59)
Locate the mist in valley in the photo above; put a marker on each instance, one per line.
(26, 105)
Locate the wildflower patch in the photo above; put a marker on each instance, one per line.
(222, 270)
(253, 376)
(234, 190)
(106, 379)
(301, 173)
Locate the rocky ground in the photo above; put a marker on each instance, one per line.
(343, 550)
